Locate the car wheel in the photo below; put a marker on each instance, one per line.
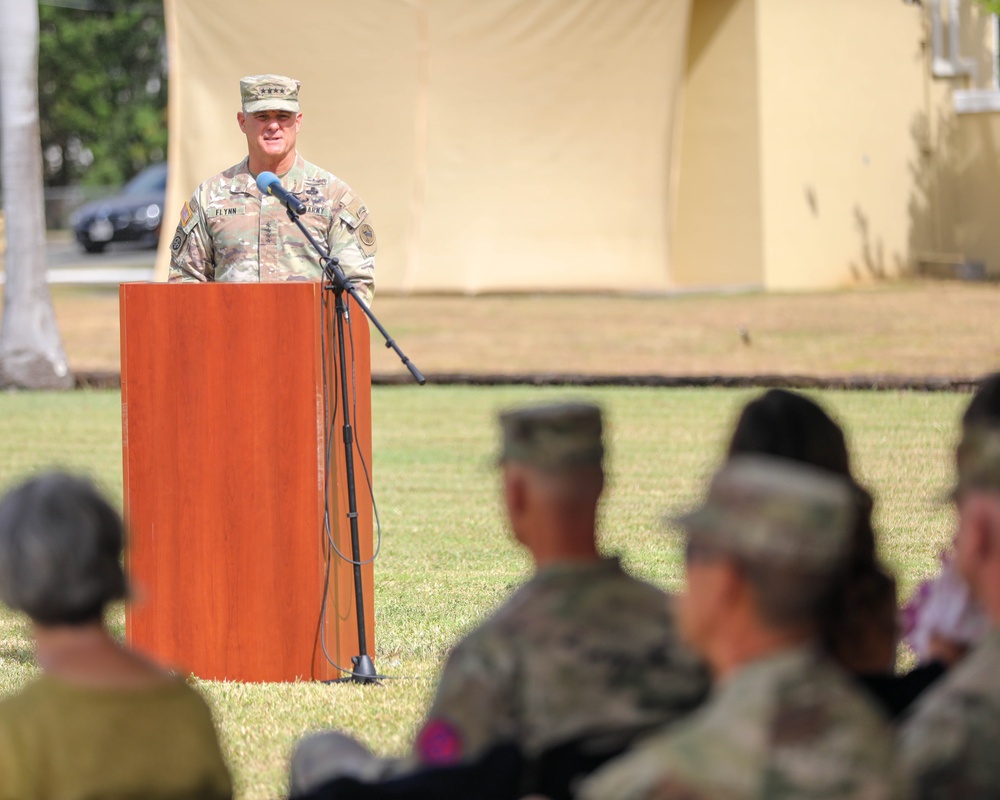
(94, 247)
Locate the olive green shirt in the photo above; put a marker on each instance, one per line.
(63, 742)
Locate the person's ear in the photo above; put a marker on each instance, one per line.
(515, 491)
(978, 529)
(242, 120)
(730, 585)
(990, 524)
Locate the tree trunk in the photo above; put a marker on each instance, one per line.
(31, 351)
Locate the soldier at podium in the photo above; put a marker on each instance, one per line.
(230, 231)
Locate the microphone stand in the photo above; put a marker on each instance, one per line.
(336, 281)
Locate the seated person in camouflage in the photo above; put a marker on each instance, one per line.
(230, 231)
(762, 555)
(581, 648)
(950, 739)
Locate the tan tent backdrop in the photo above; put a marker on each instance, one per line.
(500, 144)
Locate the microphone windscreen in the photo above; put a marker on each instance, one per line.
(266, 180)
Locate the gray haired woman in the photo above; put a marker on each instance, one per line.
(100, 721)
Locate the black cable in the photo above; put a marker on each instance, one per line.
(357, 448)
(327, 528)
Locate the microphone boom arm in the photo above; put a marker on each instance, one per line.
(335, 275)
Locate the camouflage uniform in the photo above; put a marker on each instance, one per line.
(950, 739)
(579, 648)
(230, 231)
(789, 724)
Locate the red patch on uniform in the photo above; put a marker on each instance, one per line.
(439, 743)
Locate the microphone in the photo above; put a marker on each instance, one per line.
(269, 183)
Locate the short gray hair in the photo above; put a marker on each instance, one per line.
(60, 550)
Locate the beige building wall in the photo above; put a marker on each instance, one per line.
(842, 85)
(971, 176)
(718, 221)
(801, 142)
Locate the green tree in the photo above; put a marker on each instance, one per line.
(102, 89)
(993, 6)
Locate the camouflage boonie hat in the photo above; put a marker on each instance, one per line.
(774, 510)
(553, 437)
(978, 459)
(269, 92)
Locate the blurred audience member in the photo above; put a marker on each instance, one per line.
(942, 620)
(949, 740)
(100, 721)
(859, 625)
(582, 648)
(763, 554)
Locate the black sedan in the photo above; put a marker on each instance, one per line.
(133, 215)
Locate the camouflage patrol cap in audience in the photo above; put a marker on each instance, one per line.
(553, 437)
(775, 511)
(978, 459)
(269, 92)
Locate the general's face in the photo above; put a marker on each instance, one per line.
(270, 134)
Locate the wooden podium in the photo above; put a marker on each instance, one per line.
(227, 396)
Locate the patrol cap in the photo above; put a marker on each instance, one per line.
(553, 437)
(775, 511)
(269, 92)
(978, 459)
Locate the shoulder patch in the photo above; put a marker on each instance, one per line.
(439, 743)
(188, 218)
(366, 238)
(353, 210)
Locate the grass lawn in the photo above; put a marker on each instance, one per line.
(446, 558)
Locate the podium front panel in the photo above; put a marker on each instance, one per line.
(225, 391)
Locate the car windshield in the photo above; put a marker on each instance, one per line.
(151, 180)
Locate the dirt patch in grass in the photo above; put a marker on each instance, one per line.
(912, 329)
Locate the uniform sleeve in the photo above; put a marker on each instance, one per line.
(192, 255)
(941, 748)
(353, 242)
(474, 705)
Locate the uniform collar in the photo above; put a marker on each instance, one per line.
(603, 565)
(293, 180)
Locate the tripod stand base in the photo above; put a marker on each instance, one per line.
(363, 672)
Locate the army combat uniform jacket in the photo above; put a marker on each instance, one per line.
(787, 726)
(950, 741)
(578, 649)
(229, 231)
